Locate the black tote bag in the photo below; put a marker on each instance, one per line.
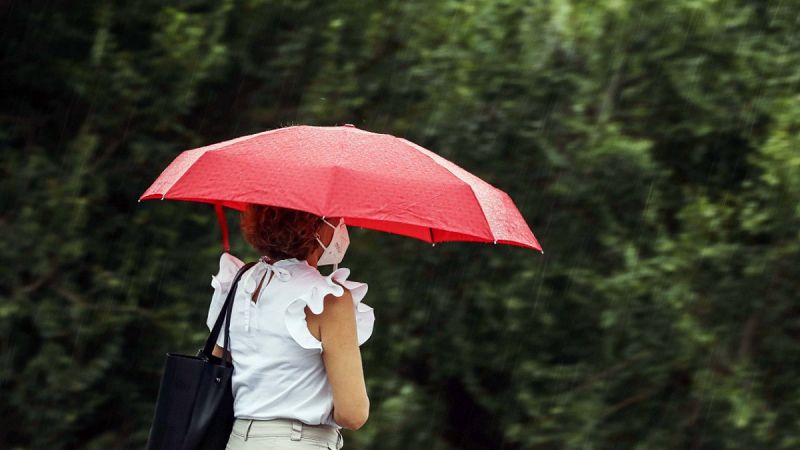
(194, 408)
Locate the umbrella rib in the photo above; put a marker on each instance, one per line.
(214, 148)
(426, 152)
(183, 173)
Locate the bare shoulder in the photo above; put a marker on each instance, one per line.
(336, 310)
(338, 327)
(336, 306)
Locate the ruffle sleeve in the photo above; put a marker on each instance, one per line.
(295, 316)
(221, 282)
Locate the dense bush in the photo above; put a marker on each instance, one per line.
(651, 145)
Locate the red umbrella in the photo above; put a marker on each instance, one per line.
(373, 180)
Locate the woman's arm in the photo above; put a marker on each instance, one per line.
(342, 358)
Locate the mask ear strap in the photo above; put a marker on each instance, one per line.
(329, 224)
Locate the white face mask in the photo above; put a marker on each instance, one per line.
(334, 252)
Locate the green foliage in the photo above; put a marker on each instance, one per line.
(651, 145)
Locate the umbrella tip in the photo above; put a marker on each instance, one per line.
(349, 125)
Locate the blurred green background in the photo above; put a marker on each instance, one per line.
(652, 146)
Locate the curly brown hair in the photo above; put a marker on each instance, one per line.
(279, 233)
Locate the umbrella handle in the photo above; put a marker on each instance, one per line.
(223, 225)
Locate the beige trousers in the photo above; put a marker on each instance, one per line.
(282, 434)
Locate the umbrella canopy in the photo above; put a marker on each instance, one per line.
(372, 180)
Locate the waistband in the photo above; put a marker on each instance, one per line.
(290, 428)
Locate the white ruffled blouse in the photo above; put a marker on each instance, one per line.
(278, 371)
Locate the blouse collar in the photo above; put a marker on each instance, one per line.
(282, 262)
(279, 267)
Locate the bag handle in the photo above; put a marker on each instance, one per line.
(225, 313)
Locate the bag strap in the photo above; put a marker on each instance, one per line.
(225, 313)
(226, 348)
